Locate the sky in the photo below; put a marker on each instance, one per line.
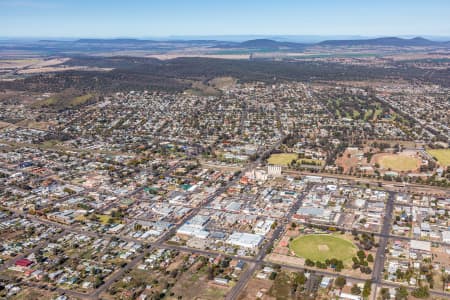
(164, 18)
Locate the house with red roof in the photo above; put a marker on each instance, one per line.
(24, 263)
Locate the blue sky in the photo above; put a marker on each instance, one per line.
(161, 18)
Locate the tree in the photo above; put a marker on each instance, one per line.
(361, 255)
(309, 262)
(340, 282)
(445, 278)
(367, 288)
(301, 279)
(321, 265)
(273, 275)
(69, 191)
(401, 293)
(370, 258)
(355, 290)
(137, 226)
(94, 218)
(274, 225)
(385, 294)
(211, 273)
(339, 266)
(421, 292)
(98, 282)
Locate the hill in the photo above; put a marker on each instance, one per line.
(384, 41)
(271, 44)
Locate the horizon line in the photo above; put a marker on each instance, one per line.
(337, 36)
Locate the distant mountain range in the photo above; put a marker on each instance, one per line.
(271, 44)
(99, 46)
(267, 44)
(385, 41)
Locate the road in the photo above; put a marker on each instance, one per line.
(378, 265)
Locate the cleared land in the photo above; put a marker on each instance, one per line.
(282, 159)
(319, 247)
(398, 162)
(442, 156)
(223, 82)
(63, 100)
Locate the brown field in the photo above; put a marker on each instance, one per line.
(34, 124)
(194, 284)
(40, 65)
(223, 82)
(8, 64)
(254, 286)
(292, 260)
(60, 69)
(356, 159)
(32, 63)
(33, 293)
(200, 89)
(5, 125)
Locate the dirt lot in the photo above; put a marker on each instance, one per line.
(33, 293)
(5, 125)
(291, 260)
(254, 286)
(194, 284)
(34, 124)
(443, 259)
(351, 158)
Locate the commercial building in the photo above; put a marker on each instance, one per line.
(245, 240)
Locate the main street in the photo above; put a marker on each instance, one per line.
(378, 265)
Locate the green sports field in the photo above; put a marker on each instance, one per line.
(398, 162)
(442, 156)
(282, 159)
(319, 247)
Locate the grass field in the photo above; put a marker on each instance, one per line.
(316, 161)
(442, 156)
(282, 159)
(63, 101)
(104, 219)
(399, 162)
(319, 247)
